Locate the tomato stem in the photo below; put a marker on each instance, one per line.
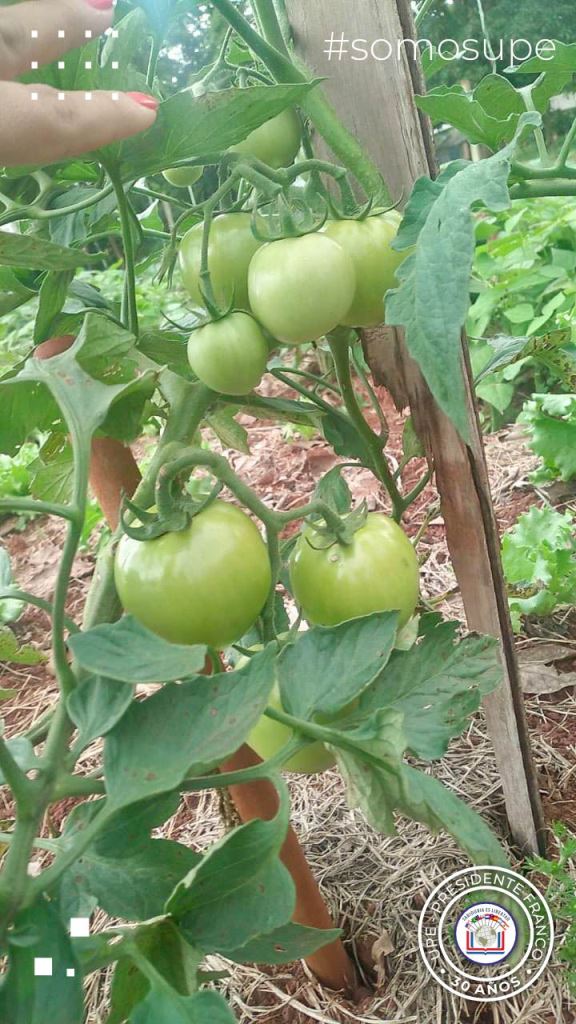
(129, 312)
(340, 347)
(273, 521)
(281, 66)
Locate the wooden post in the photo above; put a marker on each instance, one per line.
(375, 100)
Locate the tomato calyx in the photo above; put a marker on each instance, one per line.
(174, 514)
(289, 216)
(214, 317)
(329, 535)
(349, 211)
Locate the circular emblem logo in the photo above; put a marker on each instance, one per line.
(486, 934)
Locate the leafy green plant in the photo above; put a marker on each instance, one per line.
(520, 323)
(539, 559)
(561, 895)
(552, 435)
(15, 473)
(10, 608)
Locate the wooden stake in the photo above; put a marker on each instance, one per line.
(375, 99)
(331, 964)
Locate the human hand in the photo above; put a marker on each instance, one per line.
(38, 124)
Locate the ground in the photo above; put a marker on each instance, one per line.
(376, 885)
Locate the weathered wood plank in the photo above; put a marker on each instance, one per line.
(375, 100)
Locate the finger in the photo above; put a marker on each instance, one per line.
(39, 31)
(39, 125)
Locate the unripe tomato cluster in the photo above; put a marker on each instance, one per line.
(208, 583)
(296, 289)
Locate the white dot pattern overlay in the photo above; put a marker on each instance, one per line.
(112, 33)
(44, 965)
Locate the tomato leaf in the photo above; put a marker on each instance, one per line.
(489, 116)
(563, 58)
(83, 381)
(188, 126)
(284, 945)
(165, 1006)
(232, 434)
(126, 831)
(239, 890)
(185, 730)
(372, 787)
(423, 798)
(433, 299)
(13, 292)
(36, 253)
(129, 652)
(27, 407)
(159, 13)
(326, 668)
(96, 705)
(383, 790)
(53, 294)
(133, 886)
(166, 348)
(23, 753)
(29, 999)
(53, 470)
(162, 945)
(343, 437)
(333, 489)
(437, 684)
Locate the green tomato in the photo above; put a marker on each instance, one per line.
(268, 737)
(377, 572)
(368, 242)
(229, 355)
(205, 584)
(230, 250)
(276, 142)
(183, 177)
(301, 288)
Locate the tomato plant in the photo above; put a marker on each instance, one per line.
(368, 243)
(232, 246)
(203, 585)
(278, 246)
(229, 355)
(376, 571)
(301, 288)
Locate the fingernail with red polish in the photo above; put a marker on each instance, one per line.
(101, 5)
(144, 100)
